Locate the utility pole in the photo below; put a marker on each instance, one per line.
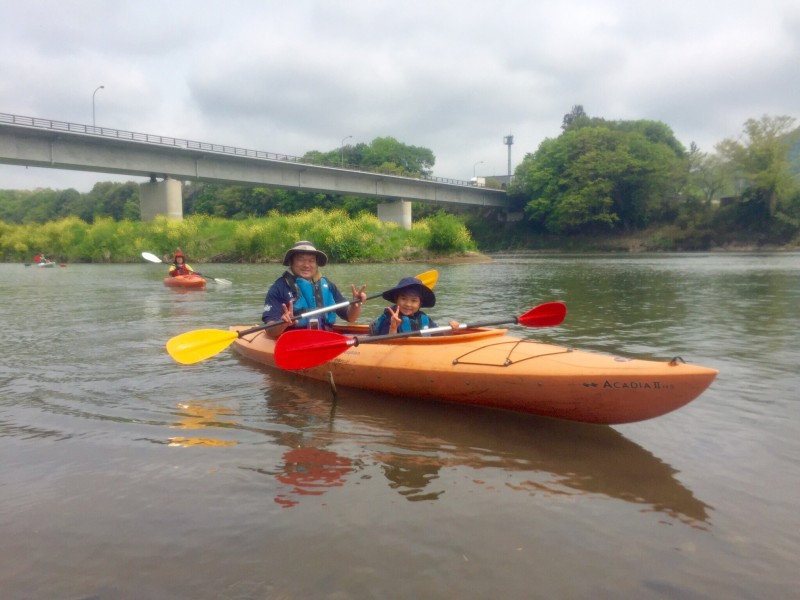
(508, 141)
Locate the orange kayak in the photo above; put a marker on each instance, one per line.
(192, 280)
(489, 368)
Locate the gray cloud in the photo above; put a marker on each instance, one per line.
(451, 76)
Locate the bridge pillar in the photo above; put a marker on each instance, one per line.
(161, 198)
(396, 211)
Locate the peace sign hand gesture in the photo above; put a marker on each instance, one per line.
(396, 319)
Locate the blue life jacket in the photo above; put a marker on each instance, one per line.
(311, 295)
(413, 323)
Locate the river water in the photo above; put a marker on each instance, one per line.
(126, 475)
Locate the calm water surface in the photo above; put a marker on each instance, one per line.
(126, 475)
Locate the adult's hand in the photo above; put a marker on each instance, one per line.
(361, 294)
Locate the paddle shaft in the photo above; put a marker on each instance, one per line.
(303, 348)
(193, 346)
(355, 341)
(310, 313)
(217, 279)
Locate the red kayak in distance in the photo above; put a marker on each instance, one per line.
(190, 281)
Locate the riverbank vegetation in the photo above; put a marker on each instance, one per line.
(600, 185)
(633, 180)
(205, 238)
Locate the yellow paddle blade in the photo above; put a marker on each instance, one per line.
(193, 346)
(429, 278)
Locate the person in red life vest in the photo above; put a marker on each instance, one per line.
(179, 266)
(408, 296)
(303, 288)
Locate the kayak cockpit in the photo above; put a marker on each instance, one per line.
(447, 337)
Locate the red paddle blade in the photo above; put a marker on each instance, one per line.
(548, 314)
(306, 348)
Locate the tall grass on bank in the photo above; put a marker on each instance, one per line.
(211, 239)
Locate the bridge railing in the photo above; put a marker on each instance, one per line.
(183, 144)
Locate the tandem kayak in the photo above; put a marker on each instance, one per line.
(489, 368)
(193, 280)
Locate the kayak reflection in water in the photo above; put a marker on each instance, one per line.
(421, 448)
(311, 471)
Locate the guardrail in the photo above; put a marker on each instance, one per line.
(182, 144)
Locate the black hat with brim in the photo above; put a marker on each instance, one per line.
(408, 284)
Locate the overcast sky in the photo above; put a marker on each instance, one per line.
(454, 77)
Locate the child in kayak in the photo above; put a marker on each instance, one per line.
(179, 266)
(408, 296)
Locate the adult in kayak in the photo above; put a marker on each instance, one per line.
(303, 288)
(408, 296)
(179, 266)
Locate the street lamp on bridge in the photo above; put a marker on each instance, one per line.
(99, 87)
(342, 148)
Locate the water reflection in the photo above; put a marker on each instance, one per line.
(201, 415)
(310, 471)
(410, 474)
(333, 441)
(309, 467)
(415, 443)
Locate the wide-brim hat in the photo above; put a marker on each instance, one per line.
(427, 297)
(304, 246)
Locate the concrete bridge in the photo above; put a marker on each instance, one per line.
(39, 142)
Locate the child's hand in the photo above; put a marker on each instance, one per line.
(396, 319)
(454, 324)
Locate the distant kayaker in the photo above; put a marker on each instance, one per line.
(303, 288)
(179, 266)
(408, 296)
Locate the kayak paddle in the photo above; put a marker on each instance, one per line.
(306, 348)
(154, 259)
(193, 346)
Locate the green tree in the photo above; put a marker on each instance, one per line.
(599, 174)
(200, 198)
(384, 154)
(41, 206)
(707, 177)
(760, 162)
(574, 117)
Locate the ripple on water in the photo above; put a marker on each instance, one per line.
(225, 461)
